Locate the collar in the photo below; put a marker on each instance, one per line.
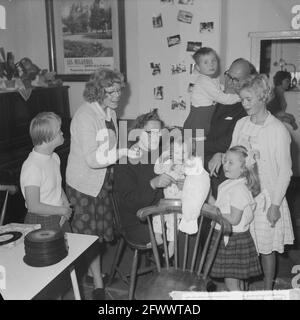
(268, 119)
(100, 111)
(41, 155)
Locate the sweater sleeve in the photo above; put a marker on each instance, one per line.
(88, 138)
(284, 165)
(218, 95)
(135, 192)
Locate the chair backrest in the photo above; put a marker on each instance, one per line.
(3, 210)
(200, 261)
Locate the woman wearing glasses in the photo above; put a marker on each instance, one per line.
(88, 177)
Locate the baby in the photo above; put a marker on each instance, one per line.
(195, 189)
(171, 162)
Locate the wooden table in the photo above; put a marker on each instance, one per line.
(23, 282)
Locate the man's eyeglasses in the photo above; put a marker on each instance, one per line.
(233, 79)
(113, 91)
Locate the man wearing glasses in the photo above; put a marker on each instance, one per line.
(223, 122)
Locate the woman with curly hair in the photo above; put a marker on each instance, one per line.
(88, 173)
(262, 133)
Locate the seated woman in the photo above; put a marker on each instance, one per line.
(136, 183)
(277, 105)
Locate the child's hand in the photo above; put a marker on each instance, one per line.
(66, 212)
(273, 215)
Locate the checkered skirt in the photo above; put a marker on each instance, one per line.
(47, 222)
(238, 259)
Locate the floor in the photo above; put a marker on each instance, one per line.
(118, 290)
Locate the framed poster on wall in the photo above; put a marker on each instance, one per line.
(84, 35)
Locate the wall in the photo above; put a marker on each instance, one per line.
(245, 16)
(26, 36)
(152, 46)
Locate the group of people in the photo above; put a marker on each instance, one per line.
(246, 152)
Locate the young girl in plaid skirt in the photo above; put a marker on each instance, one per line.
(237, 257)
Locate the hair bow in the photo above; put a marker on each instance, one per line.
(251, 158)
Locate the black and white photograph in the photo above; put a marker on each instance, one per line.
(157, 21)
(185, 16)
(192, 68)
(206, 27)
(173, 40)
(159, 93)
(190, 87)
(155, 67)
(101, 201)
(178, 104)
(193, 46)
(186, 2)
(178, 68)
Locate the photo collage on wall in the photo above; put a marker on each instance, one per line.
(185, 15)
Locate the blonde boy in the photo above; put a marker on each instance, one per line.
(40, 177)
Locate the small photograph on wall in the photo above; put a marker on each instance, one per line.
(185, 16)
(192, 66)
(178, 104)
(167, 1)
(159, 93)
(157, 21)
(206, 27)
(185, 1)
(190, 87)
(178, 68)
(193, 46)
(173, 40)
(155, 68)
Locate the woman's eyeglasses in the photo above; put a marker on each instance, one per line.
(113, 91)
(233, 79)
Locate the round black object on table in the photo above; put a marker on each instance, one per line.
(9, 236)
(44, 247)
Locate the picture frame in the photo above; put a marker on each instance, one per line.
(84, 35)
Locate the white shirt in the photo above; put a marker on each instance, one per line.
(207, 91)
(43, 171)
(234, 192)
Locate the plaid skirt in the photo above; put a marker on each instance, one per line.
(93, 215)
(50, 222)
(238, 259)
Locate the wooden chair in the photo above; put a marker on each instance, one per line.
(126, 238)
(182, 277)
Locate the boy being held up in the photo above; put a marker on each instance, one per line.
(40, 177)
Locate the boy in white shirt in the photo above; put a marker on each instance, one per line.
(40, 177)
(206, 91)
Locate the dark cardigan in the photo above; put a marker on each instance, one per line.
(132, 183)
